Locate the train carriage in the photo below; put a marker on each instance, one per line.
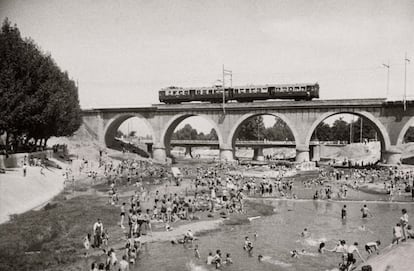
(250, 93)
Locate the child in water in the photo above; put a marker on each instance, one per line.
(228, 259)
(294, 254)
(196, 252)
(247, 244)
(321, 247)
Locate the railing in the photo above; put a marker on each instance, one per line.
(243, 142)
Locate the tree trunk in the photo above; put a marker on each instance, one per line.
(44, 144)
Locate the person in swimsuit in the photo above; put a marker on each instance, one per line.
(350, 255)
(343, 212)
(365, 211)
(122, 215)
(370, 247)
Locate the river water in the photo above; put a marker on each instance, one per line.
(278, 234)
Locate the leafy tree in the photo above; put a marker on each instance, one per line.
(252, 129)
(189, 133)
(38, 99)
(409, 136)
(212, 135)
(278, 132)
(323, 132)
(340, 130)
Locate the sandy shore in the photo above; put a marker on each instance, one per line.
(20, 194)
(395, 258)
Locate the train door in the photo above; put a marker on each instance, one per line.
(271, 91)
(192, 93)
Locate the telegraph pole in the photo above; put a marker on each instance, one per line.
(224, 90)
(230, 73)
(360, 131)
(388, 76)
(406, 60)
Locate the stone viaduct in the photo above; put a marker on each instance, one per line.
(389, 119)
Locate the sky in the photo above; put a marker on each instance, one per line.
(122, 52)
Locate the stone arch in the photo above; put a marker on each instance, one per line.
(232, 135)
(116, 121)
(177, 119)
(372, 120)
(404, 130)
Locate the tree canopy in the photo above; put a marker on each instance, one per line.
(254, 129)
(38, 100)
(189, 133)
(344, 131)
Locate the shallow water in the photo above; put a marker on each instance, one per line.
(279, 234)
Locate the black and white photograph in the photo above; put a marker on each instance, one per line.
(201, 135)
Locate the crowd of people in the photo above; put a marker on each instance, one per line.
(213, 189)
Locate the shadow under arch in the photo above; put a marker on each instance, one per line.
(236, 127)
(177, 119)
(112, 127)
(400, 139)
(372, 120)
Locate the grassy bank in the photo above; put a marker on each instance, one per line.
(51, 238)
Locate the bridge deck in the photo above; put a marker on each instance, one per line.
(277, 104)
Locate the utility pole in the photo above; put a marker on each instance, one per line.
(406, 60)
(388, 76)
(230, 73)
(360, 131)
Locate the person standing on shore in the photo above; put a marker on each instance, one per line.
(404, 223)
(97, 233)
(24, 169)
(122, 215)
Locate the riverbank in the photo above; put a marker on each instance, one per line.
(51, 238)
(19, 194)
(397, 257)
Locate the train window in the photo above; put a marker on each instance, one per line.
(198, 92)
(210, 91)
(302, 88)
(180, 92)
(296, 88)
(284, 89)
(186, 92)
(264, 90)
(247, 90)
(242, 90)
(236, 90)
(277, 89)
(174, 92)
(290, 88)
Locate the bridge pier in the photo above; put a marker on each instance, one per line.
(226, 154)
(315, 154)
(392, 155)
(258, 154)
(159, 154)
(188, 151)
(302, 154)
